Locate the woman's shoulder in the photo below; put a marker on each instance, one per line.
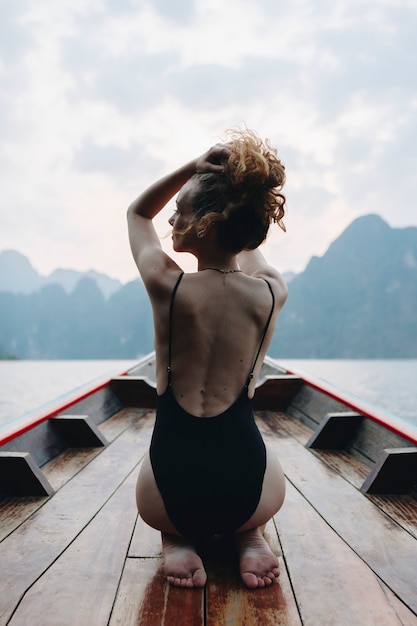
(159, 273)
(276, 282)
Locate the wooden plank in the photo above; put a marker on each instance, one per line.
(312, 405)
(120, 421)
(331, 583)
(227, 598)
(146, 541)
(99, 406)
(41, 442)
(71, 461)
(345, 465)
(44, 443)
(388, 550)
(228, 601)
(276, 392)
(296, 428)
(402, 509)
(37, 543)
(395, 472)
(79, 431)
(406, 617)
(80, 586)
(134, 391)
(67, 465)
(371, 438)
(20, 476)
(386, 421)
(14, 511)
(145, 599)
(334, 431)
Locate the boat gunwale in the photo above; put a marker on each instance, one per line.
(30, 420)
(380, 416)
(385, 419)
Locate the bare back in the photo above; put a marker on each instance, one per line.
(217, 326)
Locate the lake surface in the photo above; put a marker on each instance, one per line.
(27, 385)
(388, 384)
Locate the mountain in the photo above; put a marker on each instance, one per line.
(53, 324)
(18, 276)
(68, 279)
(288, 276)
(359, 300)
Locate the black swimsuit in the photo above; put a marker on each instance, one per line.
(209, 471)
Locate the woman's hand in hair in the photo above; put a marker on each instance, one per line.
(214, 159)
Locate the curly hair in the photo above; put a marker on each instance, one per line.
(246, 197)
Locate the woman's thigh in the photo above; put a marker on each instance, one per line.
(152, 509)
(272, 496)
(149, 501)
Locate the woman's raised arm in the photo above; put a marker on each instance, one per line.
(144, 240)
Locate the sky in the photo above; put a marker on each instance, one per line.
(99, 98)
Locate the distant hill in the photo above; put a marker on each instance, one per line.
(18, 276)
(359, 300)
(54, 324)
(288, 276)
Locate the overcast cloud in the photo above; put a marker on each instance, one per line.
(100, 97)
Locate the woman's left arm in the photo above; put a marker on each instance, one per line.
(144, 240)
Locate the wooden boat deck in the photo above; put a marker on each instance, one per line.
(84, 557)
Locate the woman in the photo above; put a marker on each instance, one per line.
(208, 471)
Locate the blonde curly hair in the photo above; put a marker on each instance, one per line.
(244, 199)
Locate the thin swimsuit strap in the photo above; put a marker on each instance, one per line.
(264, 333)
(171, 307)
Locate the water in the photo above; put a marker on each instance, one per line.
(390, 384)
(27, 385)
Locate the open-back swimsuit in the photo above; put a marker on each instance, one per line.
(209, 471)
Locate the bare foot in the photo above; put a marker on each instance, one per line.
(182, 565)
(258, 564)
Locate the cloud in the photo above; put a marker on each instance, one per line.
(180, 12)
(100, 97)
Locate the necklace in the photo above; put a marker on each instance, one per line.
(217, 269)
